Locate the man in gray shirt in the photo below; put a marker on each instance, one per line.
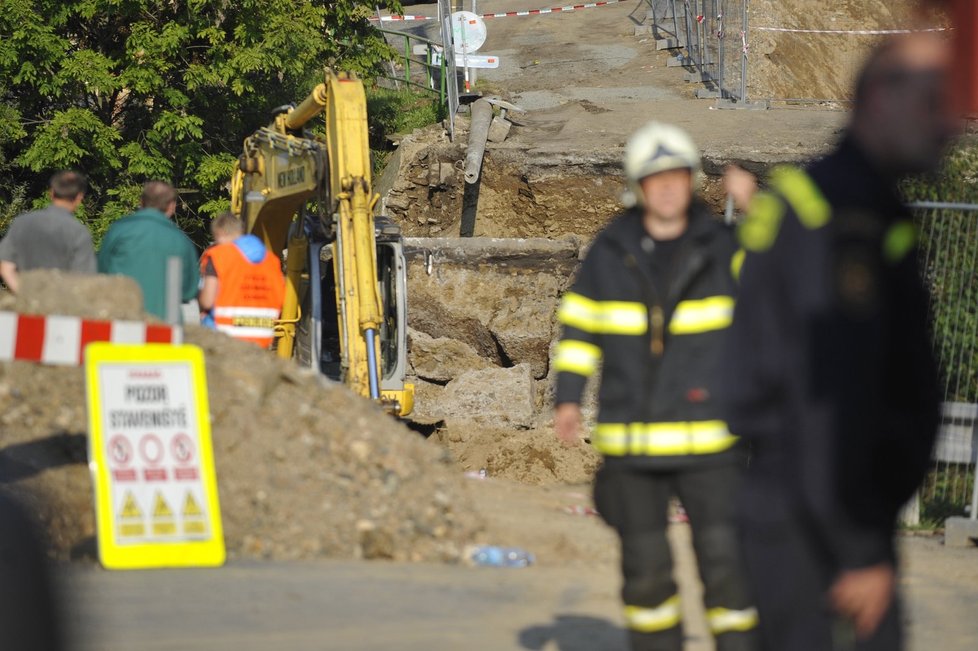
(50, 238)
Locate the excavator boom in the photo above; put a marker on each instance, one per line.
(310, 199)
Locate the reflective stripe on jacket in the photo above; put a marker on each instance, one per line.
(249, 296)
(657, 355)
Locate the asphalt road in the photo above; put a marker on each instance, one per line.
(353, 606)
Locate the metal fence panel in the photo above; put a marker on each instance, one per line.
(949, 260)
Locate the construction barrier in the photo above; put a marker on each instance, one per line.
(61, 340)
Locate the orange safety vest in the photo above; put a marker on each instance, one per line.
(249, 295)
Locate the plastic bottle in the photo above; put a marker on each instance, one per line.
(493, 556)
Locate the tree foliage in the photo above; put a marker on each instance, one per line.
(132, 90)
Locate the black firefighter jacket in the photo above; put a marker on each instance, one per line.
(658, 354)
(830, 376)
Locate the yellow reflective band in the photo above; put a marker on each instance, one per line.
(737, 262)
(662, 439)
(763, 221)
(652, 620)
(804, 196)
(577, 357)
(723, 620)
(899, 240)
(603, 317)
(703, 315)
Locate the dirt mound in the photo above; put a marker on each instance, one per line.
(305, 468)
(816, 66)
(526, 456)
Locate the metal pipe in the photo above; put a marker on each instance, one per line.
(478, 133)
(743, 62)
(174, 289)
(372, 371)
(944, 205)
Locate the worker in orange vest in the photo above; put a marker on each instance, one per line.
(243, 285)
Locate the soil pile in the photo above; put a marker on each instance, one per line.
(305, 468)
(816, 66)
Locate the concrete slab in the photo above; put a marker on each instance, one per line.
(960, 532)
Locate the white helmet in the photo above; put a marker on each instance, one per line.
(657, 147)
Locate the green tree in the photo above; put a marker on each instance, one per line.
(131, 90)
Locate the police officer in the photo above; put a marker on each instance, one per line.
(829, 373)
(650, 305)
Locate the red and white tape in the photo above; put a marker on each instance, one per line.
(509, 14)
(859, 32)
(61, 340)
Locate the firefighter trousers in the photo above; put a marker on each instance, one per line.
(635, 502)
(791, 579)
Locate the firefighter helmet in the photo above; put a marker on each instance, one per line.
(658, 147)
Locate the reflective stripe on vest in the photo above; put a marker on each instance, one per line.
(899, 240)
(577, 357)
(251, 323)
(662, 439)
(653, 620)
(763, 222)
(794, 184)
(702, 315)
(603, 317)
(724, 620)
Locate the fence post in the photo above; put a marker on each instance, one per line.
(407, 60)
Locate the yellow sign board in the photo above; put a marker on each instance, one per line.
(152, 461)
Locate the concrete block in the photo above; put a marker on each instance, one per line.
(668, 44)
(704, 93)
(677, 62)
(643, 30)
(960, 532)
(499, 129)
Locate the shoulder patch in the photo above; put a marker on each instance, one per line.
(899, 240)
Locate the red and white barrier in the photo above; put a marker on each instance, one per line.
(509, 14)
(61, 340)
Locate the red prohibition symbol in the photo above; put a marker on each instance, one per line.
(151, 449)
(120, 450)
(182, 448)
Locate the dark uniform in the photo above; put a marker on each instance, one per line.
(29, 620)
(652, 316)
(829, 377)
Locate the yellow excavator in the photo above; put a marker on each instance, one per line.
(309, 198)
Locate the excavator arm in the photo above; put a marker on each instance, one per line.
(301, 194)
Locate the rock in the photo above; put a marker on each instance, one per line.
(441, 359)
(503, 397)
(525, 326)
(499, 129)
(48, 291)
(441, 175)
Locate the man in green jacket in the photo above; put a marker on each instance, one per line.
(139, 245)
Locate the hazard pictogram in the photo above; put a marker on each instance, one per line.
(190, 507)
(120, 450)
(130, 510)
(160, 508)
(183, 448)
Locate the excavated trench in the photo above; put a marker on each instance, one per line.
(482, 308)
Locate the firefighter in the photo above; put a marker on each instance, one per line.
(649, 306)
(243, 286)
(829, 374)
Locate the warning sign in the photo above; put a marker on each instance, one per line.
(152, 460)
